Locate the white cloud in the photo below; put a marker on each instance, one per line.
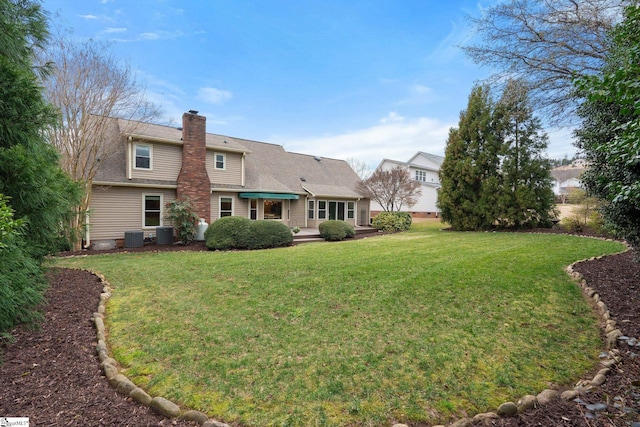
(112, 30)
(88, 16)
(212, 95)
(394, 137)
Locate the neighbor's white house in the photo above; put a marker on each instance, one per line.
(424, 168)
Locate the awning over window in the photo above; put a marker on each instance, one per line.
(261, 195)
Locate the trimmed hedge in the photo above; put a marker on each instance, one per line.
(335, 230)
(229, 232)
(392, 221)
(265, 234)
(234, 232)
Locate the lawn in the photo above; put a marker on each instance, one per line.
(419, 326)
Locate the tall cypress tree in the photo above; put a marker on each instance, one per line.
(526, 197)
(469, 173)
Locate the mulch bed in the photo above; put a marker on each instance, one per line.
(51, 374)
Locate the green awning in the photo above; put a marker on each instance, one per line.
(261, 195)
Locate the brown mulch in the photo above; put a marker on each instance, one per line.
(51, 374)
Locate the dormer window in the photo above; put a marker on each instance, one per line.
(143, 156)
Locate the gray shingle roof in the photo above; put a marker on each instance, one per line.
(269, 167)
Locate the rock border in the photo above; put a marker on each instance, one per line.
(167, 408)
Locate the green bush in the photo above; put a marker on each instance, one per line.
(265, 234)
(21, 286)
(392, 221)
(335, 230)
(182, 215)
(229, 232)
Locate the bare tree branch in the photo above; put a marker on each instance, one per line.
(547, 43)
(90, 88)
(392, 189)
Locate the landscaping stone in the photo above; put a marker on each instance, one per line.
(569, 394)
(165, 407)
(195, 416)
(465, 422)
(547, 396)
(109, 370)
(598, 380)
(508, 409)
(526, 402)
(140, 396)
(124, 385)
(214, 423)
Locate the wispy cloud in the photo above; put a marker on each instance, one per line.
(212, 95)
(394, 137)
(161, 35)
(112, 30)
(88, 16)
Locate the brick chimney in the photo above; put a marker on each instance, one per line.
(193, 180)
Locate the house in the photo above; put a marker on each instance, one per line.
(424, 168)
(223, 176)
(566, 179)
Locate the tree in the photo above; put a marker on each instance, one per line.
(359, 167)
(526, 197)
(610, 133)
(546, 43)
(33, 187)
(392, 189)
(90, 88)
(469, 173)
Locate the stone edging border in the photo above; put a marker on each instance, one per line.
(169, 409)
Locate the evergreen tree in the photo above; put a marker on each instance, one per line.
(38, 193)
(469, 173)
(526, 197)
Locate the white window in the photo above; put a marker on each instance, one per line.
(273, 209)
(152, 210)
(312, 209)
(351, 209)
(421, 176)
(322, 209)
(226, 206)
(143, 156)
(219, 161)
(253, 209)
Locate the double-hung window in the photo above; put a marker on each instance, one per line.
(152, 212)
(322, 209)
(219, 161)
(226, 206)
(421, 176)
(143, 156)
(312, 209)
(351, 210)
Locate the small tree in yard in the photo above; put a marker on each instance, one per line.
(183, 217)
(392, 189)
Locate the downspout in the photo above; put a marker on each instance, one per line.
(242, 167)
(87, 231)
(306, 213)
(129, 156)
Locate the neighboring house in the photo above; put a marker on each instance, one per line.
(223, 176)
(566, 179)
(424, 168)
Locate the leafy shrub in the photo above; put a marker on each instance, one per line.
(182, 215)
(229, 232)
(392, 221)
(335, 230)
(268, 234)
(21, 286)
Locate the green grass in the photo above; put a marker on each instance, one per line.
(419, 326)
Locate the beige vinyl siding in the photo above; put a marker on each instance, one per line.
(298, 212)
(166, 162)
(231, 174)
(114, 210)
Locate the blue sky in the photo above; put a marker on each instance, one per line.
(362, 79)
